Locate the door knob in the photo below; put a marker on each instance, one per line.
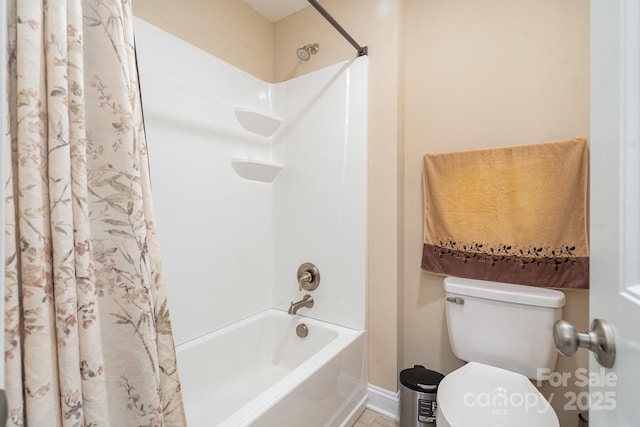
(599, 340)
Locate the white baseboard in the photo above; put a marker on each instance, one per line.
(383, 401)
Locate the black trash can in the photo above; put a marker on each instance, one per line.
(418, 393)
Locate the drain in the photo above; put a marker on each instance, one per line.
(302, 330)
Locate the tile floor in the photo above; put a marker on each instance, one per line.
(370, 418)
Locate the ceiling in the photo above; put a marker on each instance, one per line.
(275, 10)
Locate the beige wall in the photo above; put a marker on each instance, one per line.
(484, 74)
(228, 29)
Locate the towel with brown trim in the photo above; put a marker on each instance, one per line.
(511, 214)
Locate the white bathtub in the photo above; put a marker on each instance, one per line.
(258, 372)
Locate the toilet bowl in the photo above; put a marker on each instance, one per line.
(504, 332)
(479, 395)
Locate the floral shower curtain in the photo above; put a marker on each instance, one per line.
(87, 333)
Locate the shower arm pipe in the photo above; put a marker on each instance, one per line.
(362, 50)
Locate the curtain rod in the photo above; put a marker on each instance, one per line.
(362, 50)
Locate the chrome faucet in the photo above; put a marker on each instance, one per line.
(306, 301)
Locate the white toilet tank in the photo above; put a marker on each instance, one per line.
(504, 325)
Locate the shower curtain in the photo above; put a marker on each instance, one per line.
(88, 340)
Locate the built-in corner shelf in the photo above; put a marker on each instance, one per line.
(256, 170)
(257, 122)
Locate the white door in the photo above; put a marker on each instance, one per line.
(615, 207)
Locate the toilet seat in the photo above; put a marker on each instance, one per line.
(479, 395)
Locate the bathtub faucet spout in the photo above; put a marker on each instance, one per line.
(306, 301)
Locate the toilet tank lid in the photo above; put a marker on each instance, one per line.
(507, 292)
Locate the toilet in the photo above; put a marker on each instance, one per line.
(504, 332)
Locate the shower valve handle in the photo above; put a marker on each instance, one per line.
(308, 277)
(305, 277)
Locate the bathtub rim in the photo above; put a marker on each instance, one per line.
(264, 313)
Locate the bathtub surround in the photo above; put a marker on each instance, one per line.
(88, 336)
(320, 195)
(314, 211)
(254, 230)
(220, 271)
